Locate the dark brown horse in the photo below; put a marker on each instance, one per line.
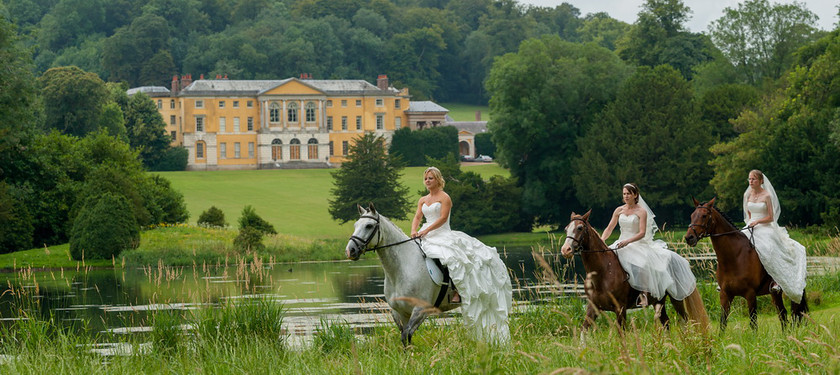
(606, 283)
(739, 270)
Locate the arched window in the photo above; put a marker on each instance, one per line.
(312, 148)
(199, 150)
(274, 112)
(293, 112)
(294, 149)
(276, 149)
(310, 112)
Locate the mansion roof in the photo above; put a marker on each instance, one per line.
(426, 106)
(257, 87)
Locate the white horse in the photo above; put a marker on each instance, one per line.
(409, 289)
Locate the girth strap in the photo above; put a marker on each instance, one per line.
(446, 281)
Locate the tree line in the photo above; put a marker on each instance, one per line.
(681, 114)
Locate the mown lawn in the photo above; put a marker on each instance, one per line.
(466, 112)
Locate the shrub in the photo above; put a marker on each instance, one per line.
(249, 239)
(104, 227)
(250, 218)
(173, 159)
(213, 217)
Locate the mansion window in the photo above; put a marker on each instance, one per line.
(344, 102)
(310, 112)
(312, 148)
(380, 121)
(160, 104)
(345, 146)
(274, 112)
(293, 112)
(329, 123)
(250, 124)
(276, 149)
(329, 103)
(380, 102)
(221, 103)
(199, 123)
(235, 104)
(173, 134)
(397, 104)
(223, 150)
(172, 104)
(358, 122)
(331, 148)
(172, 120)
(397, 122)
(236, 124)
(251, 150)
(294, 149)
(199, 150)
(199, 104)
(236, 150)
(250, 104)
(358, 102)
(343, 122)
(222, 125)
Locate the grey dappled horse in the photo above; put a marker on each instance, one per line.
(409, 289)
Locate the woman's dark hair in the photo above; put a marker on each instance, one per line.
(633, 189)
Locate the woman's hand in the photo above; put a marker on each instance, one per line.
(414, 234)
(620, 244)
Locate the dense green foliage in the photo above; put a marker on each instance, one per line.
(543, 98)
(252, 228)
(413, 146)
(213, 217)
(650, 135)
(370, 175)
(482, 206)
(484, 144)
(788, 137)
(250, 219)
(104, 228)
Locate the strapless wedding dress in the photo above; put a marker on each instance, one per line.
(782, 257)
(478, 273)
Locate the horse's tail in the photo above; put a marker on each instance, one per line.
(696, 310)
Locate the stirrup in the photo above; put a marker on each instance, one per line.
(775, 288)
(642, 300)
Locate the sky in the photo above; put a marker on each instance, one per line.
(703, 11)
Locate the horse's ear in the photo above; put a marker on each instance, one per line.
(712, 202)
(361, 209)
(371, 208)
(696, 203)
(572, 216)
(586, 215)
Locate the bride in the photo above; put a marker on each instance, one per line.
(782, 257)
(650, 266)
(478, 273)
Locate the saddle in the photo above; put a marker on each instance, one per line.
(440, 276)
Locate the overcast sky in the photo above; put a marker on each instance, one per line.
(703, 11)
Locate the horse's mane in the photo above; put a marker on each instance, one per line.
(593, 232)
(394, 227)
(722, 214)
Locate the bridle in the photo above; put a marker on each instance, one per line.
(707, 227)
(577, 247)
(363, 243)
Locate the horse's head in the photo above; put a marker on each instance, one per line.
(576, 233)
(702, 222)
(366, 233)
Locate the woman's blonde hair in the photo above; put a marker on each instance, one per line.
(436, 175)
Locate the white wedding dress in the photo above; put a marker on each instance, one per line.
(782, 257)
(650, 266)
(478, 273)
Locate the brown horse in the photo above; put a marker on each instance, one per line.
(739, 270)
(606, 283)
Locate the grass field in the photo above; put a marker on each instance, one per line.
(466, 112)
(295, 201)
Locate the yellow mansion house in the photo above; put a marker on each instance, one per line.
(289, 123)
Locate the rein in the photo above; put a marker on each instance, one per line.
(579, 248)
(707, 231)
(364, 243)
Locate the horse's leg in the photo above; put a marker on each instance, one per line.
(620, 316)
(399, 319)
(679, 308)
(660, 313)
(780, 307)
(751, 307)
(725, 304)
(591, 315)
(798, 310)
(417, 317)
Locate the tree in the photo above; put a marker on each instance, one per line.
(252, 227)
(146, 129)
(723, 103)
(788, 137)
(650, 135)
(15, 222)
(104, 228)
(761, 39)
(368, 176)
(250, 219)
(73, 100)
(659, 37)
(213, 217)
(543, 98)
(414, 146)
(484, 144)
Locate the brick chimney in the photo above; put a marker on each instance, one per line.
(201, 77)
(186, 79)
(477, 115)
(382, 82)
(175, 82)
